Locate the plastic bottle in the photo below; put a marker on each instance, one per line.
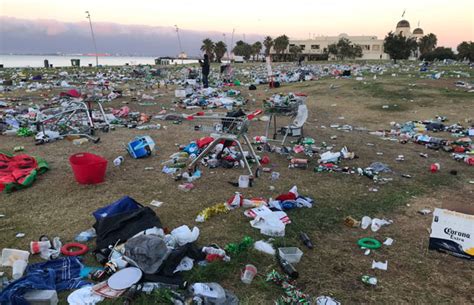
(174, 161)
(306, 240)
(177, 165)
(86, 235)
(369, 280)
(288, 268)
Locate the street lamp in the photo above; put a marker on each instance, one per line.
(227, 47)
(93, 39)
(180, 46)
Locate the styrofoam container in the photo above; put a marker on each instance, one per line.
(290, 254)
(9, 256)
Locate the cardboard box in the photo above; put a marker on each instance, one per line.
(453, 233)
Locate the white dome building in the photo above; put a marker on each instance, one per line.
(403, 27)
(417, 33)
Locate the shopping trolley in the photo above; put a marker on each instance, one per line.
(293, 106)
(225, 128)
(74, 117)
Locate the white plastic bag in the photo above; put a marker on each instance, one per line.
(184, 235)
(264, 247)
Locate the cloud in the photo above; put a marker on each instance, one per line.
(50, 36)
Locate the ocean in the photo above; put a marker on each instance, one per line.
(36, 61)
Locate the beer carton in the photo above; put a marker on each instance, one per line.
(453, 233)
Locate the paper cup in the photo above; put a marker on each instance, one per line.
(39, 246)
(248, 274)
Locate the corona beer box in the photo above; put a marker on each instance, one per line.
(453, 233)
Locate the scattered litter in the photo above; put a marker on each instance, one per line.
(380, 265)
(156, 203)
(453, 233)
(264, 247)
(353, 223)
(369, 280)
(388, 241)
(424, 211)
(369, 243)
(325, 300)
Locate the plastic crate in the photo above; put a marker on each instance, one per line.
(290, 254)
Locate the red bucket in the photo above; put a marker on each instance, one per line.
(88, 168)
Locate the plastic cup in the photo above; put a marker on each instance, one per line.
(248, 274)
(244, 181)
(19, 267)
(434, 167)
(366, 222)
(39, 246)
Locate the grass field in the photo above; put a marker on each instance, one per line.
(57, 206)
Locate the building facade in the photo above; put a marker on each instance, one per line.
(312, 49)
(372, 47)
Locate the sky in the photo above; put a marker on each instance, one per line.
(451, 21)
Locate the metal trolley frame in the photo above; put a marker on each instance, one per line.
(222, 128)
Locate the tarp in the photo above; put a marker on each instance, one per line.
(20, 171)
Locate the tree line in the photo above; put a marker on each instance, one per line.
(217, 50)
(401, 47)
(395, 45)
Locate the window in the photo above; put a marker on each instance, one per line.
(315, 47)
(302, 46)
(375, 47)
(325, 50)
(292, 45)
(365, 47)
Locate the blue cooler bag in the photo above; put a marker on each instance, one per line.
(141, 147)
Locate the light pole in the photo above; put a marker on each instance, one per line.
(232, 43)
(93, 39)
(180, 46)
(225, 41)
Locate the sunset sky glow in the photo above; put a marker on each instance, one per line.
(451, 21)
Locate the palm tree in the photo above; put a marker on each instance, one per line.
(256, 49)
(295, 50)
(219, 49)
(281, 43)
(268, 43)
(427, 43)
(208, 48)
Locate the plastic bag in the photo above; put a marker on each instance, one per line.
(184, 235)
(264, 247)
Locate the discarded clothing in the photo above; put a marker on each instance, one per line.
(60, 274)
(38, 279)
(67, 272)
(20, 171)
